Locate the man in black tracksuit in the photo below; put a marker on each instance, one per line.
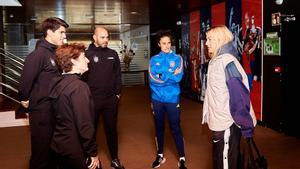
(104, 79)
(39, 69)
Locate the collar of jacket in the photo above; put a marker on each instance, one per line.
(93, 47)
(161, 53)
(229, 49)
(44, 43)
(56, 87)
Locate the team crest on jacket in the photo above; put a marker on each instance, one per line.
(52, 62)
(96, 59)
(172, 63)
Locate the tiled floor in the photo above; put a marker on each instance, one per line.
(137, 145)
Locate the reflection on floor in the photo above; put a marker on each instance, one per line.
(256, 98)
(136, 139)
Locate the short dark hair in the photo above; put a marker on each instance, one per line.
(65, 53)
(53, 23)
(163, 33)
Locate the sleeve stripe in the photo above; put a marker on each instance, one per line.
(181, 64)
(153, 77)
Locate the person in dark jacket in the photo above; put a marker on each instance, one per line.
(39, 69)
(104, 80)
(227, 107)
(74, 139)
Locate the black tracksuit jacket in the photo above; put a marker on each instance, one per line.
(74, 132)
(104, 75)
(39, 69)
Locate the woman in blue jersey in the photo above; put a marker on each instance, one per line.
(165, 72)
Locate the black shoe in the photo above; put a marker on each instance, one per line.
(181, 164)
(115, 164)
(158, 161)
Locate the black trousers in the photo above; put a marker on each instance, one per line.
(226, 148)
(41, 128)
(108, 109)
(173, 113)
(64, 162)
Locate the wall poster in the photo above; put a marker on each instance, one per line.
(272, 46)
(185, 49)
(218, 14)
(205, 21)
(252, 50)
(234, 23)
(195, 50)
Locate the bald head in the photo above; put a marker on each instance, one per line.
(99, 30)
(100, 37)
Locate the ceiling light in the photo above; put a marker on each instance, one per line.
(278, 2)
(10, 3)
(178, 23)
(134, 12)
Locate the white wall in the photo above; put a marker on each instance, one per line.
(139, 40)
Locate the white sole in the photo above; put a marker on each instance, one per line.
(163, 161)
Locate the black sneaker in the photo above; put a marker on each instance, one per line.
(115, 164)
(158, 161)
(181, 164)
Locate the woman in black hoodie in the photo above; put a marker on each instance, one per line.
(74, 135)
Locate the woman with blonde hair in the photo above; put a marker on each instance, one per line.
(227, 108)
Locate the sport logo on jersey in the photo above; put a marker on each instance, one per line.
(172, 63)
(96, 59)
